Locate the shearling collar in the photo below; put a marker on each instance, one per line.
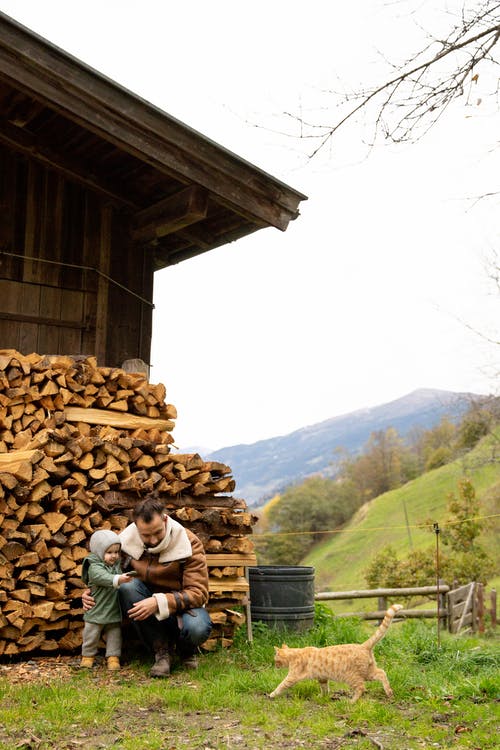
(174, 546)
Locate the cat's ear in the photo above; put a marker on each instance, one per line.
(284, 645)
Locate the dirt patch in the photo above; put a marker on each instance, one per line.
(199, 731)
(39, 669)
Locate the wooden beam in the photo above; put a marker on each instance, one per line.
(170, 214)
(24, 142)
(40, 320)
(165, 256)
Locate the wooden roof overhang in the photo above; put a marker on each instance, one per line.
(184, 193)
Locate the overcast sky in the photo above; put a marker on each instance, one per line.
(372, 291)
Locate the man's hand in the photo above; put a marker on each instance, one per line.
(143, 609)
(88, 600)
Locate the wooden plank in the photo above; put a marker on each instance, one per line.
(407, 613)
(373, 593)
(231, 558)
(116, 419)
(30, 269)
(10, 295)
(466, 594)
(50, 304)
(103, 285)
(72, 302)
(38, 320)
(72, 306)
(228, 584)
(9, 170)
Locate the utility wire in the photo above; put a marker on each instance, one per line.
(428, 525)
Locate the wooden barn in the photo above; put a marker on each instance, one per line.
(98, 190)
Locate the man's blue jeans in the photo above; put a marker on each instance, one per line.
(188, 630)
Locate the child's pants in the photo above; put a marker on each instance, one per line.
(92, 632)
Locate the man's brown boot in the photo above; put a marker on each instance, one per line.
(161, 667)
(190, 662)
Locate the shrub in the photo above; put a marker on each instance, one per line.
(386, 570)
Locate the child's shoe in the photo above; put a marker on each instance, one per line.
(87, 662)
(113, 663)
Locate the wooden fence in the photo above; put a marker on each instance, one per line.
(460, 609)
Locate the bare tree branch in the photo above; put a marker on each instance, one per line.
(421, 91)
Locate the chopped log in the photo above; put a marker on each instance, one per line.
(29, 559)
(43, 610)
(55, 590)
(70, 641)
(54, 521)
(13, 550)
(237, 544)
(21, 594)
(39, 491)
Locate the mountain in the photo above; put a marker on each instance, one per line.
(268, 466)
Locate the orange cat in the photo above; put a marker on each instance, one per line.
(352, 663)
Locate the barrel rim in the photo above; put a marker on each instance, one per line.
(289, 568)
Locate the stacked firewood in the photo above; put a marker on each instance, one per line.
(80, 445)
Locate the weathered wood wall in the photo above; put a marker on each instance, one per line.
(70, 280)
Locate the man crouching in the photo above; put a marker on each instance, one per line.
(166, 600)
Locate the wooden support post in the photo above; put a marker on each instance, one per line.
(382, 605)
(248, 611)
(480, 608)
(493, 608)
(474, 603)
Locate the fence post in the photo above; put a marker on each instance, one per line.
(442, 597)
(474, 606)
(480, 608)
(493, 611)
(382, 604)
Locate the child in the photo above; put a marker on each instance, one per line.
(101, 572)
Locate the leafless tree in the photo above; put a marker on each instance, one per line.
(411, 101)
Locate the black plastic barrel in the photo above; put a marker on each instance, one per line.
(282, 596)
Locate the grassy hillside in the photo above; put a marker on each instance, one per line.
(341, 559)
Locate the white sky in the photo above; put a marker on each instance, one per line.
(369, 293)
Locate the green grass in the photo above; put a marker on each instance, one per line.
(444, 696)
(341, 559)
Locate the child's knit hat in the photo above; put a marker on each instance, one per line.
(101, 540)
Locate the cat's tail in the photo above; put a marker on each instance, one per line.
(383, 627)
